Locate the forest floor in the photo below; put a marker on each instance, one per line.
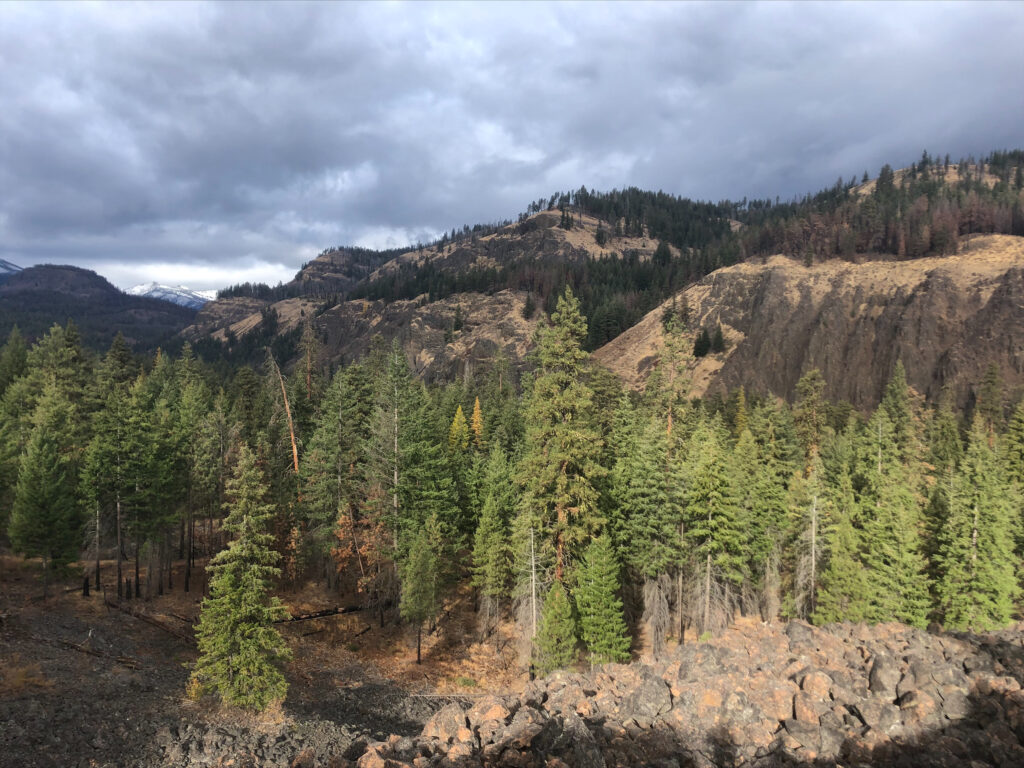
(85, 684)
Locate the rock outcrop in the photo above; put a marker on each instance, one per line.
(947, 318)
(758, 695)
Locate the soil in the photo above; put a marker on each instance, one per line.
(85, 684)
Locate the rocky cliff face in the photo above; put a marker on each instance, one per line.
(946, 318)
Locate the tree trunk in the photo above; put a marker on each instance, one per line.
(419, 643)
(97, 546)
(119, 548)
(138, 590)
(707, 594)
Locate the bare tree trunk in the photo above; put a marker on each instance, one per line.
(707, 593)
(97, 546)
(419, 644)
(119, 548)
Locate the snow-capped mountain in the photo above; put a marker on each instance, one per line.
(178, 294)
(7, 269)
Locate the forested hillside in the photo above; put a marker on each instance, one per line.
(592, 516)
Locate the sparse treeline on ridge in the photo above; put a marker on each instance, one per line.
(592, 516)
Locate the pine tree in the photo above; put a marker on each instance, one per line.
(13, 359)
(977, 567)
(492, 564)
(555, 644)
(239, 649)
(561, 464)
(890, 511)
(421, 583)
(601, 623)
(45, 518)
(713, 527)
(842, 590)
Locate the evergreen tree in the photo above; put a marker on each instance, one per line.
(13, 359)
(842, 590)
(492, 565)
(702, 344)
(239, 649)
(555, 644)
(561, 463)
(713, 527)
(45, 519)
(597, 582)
(890, 510)
(421, 582)
(977, 567)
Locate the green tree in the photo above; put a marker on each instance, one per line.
(492, 554)
(555, 644)
(601, 622)
(421, 590)
(45, 519)
(890, 511)
(240, 651)
(13, 359)
(561, 464)
(977, 565)
(842, 591)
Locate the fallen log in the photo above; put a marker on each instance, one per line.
(128, 661)
(141, 616)
(338, 611)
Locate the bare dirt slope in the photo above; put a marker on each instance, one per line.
(947, 318)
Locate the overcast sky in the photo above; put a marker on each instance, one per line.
(210, 144)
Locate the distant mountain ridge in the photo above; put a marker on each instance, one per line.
(37, 297)
(178, 294)
(7, 269)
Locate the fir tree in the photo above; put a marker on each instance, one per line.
(45, 519)
(555, 644)
(492, 565)
(890, 510)
(563, 447)
(421, 583)
(13, 359)
(977, 568)
(601, 623)
(239, 649)
(842, 590)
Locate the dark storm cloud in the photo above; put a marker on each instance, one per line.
(215, 143)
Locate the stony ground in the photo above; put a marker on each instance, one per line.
(83, 684)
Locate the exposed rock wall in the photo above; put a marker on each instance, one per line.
(946, 318)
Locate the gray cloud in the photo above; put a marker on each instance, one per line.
(217, 143)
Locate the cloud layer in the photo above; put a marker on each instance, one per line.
(210, 144)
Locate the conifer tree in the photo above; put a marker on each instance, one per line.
(421, 582)
(977, 567)
(713, 528)
(810, 512)
(476, 424)
(555, 644)
(240, 651)
(492, 554)
(458, 432)
(561, 463)
(890, 511)
(13, 359)
(601, 623)
(842, 590)
(45, 518)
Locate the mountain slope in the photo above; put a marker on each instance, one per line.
(178, 294)
(37, 297)
(7, 270)
(947, 318)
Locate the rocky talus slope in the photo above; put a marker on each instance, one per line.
(846, 695)
(947, 318)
